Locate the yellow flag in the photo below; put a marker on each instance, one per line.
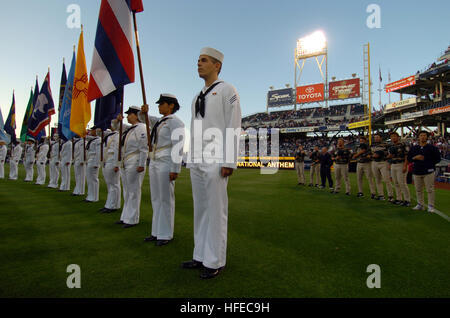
(81, 109)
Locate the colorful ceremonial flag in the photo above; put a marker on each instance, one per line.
(26, 118)
(113, 60)
(10, 124)
(43, 109)
(62, 88)
(107, 108)
(66, 106)
(81, 108)
(3, 135)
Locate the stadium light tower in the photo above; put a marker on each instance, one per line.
(313, 45)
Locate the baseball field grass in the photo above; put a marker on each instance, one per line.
(284, 241)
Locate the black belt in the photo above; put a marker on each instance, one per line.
(397, 161)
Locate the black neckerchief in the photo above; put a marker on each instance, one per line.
(153, 135)
(89, 143)
(125, 134)
(106, 138)
(200, 103)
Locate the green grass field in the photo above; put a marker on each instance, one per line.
(284, 240)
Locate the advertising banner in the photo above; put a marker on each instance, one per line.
(280, 97)
(400, 104)
(296, 130)
(310, 93)
(349, 88)
(358, 124)
(404, 82)
(439, 110)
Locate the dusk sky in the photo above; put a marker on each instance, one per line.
(258, 39)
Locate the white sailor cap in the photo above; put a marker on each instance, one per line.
(213, 53)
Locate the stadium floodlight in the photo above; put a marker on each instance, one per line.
(271, 87)
(311, 45)
(287, 85)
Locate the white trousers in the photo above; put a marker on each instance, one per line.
(132, 183)
(54, 175)
(2, 170)
(80, 178)
(112, 180)
(41, 173)
(162, 192)
(209, 190)
(29, 171)
(13, 170)
(92, 183)
(65, 177)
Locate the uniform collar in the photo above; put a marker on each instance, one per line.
(216, 81)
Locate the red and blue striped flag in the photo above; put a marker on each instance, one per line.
(113, 60)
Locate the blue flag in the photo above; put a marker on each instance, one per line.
(3, 135)
(66, 106)
(35, 96)
(10, 124)
(43, 109)
(107, 108)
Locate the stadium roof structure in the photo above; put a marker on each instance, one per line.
(426, 81)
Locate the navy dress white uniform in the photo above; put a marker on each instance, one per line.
(30, 157)
(216, 108)
(54, 164)
(41, 160)
(79, 167)
(112, 177)
(3, 151)
(135, 153)
(14, 161)
(162, 163)
(65, 162)
(93, 165)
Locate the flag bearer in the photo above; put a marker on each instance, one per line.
(65, 162)
(41, 161)
(14, 160)
(135, 153)
(30, 157)
(112, 177)
(79, 166)
(54, 162)
(93, 164)
(167, 140)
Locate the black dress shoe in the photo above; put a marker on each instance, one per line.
(208, 273)
(192, 264)
(102, 210)
(119, 222)
(162, 242)
(125, 225)
(150, 239)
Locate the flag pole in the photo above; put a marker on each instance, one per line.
(144, 98)
(49, 117)
(120, 130)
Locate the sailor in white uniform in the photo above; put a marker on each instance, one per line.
(14, 160)
(110, 173)
(135, 154)
(3, 151)
(30, 157)
(215, 132)
(65, 155)
(167, 141)
(79, 166)
(54, 162)
(41, 161)
(93, 145)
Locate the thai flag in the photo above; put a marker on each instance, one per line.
(113, 60)
(43, 109)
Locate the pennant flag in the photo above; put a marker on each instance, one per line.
(113, 61)
(64, 118)
(379, 68)
(107, 108)
(43, 109)
(10, 124)
(26, 118)
(62, 88)
(3, 135)
(81, 108)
